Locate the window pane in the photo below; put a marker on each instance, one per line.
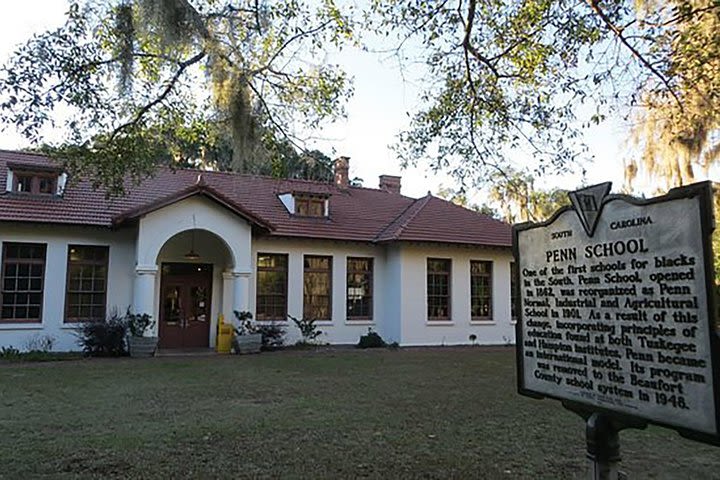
(309, 206)
(23, 271)
(317, 296)
(301, 207)
(45, 185)
(317, 209)
(86, 283)
(438, 289)
(481, 289)
(24, 183)
(271, 297)
(359, 288)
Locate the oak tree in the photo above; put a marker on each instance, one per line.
(513, 83)
(132, 82)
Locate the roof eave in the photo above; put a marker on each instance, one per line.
(197, 189)
(445, 243)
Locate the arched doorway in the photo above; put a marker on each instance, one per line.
(190, 292)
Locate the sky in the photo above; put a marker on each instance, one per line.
(377, 112)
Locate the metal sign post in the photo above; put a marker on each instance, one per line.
(617, 315)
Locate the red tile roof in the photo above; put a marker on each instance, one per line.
(356, 213)
(430, 218)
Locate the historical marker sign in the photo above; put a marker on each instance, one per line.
(617, 310)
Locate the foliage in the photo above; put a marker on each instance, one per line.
(459, 197)
(103, 339)
(521, 201)
(145, 81)
(307, 327)
(286, 162)
(137, 323)
(244, 326)
(371, 339)
(523, 78)
(40, 343)
(11, 354)
(273, 336)
(676, 131)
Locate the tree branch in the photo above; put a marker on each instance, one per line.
(619, 34)
(469, 47)
(182, 66)
(289, 41)
(272, 118)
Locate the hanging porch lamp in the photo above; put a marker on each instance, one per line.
(192, 254)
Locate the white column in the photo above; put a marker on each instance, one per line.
(228, 292)
(241, 300)
(144, 293)
(235, 293)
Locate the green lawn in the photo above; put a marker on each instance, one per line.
(418, 413)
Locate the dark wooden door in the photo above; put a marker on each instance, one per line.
(185, 300)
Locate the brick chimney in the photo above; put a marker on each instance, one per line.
(390, 183)
(341, 166)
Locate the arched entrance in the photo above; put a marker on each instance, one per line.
(173, 242)
(190, 297)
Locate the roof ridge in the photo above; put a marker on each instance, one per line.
(21, 152)
(329, 184)
(479, 214)
(422, 202)
(220, 172)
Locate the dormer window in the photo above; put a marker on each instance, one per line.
(310, 207)
(29, 179)
(38, 183)
(305, 204)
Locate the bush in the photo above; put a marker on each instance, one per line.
(245, 325)
(308, 329)
(40, 343)
(9, 353)
(371, 340)
(273, 336)
(138, 323)
(14, 355)
(103, 339)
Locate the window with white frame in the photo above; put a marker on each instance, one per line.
(359, 288)
(317, 287)
(480, 290)
(438, 289)
(23, 272)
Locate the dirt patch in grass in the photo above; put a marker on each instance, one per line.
(327, 413)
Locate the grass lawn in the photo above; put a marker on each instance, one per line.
(418, 413)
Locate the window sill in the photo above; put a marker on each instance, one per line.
(324, 323)
(21, 326)
(72, 325)
(360, 322)
(489, 321)
(439, 323)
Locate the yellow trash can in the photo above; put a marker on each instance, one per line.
(224, 335)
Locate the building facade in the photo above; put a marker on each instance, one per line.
(186, 246)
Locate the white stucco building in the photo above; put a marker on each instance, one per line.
(186, 246)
